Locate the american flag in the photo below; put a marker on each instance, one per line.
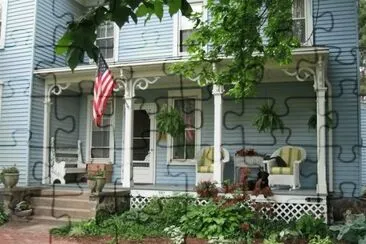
(103, 88)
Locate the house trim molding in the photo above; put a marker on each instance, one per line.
(3, 23)
(186, 93)
(88, 141)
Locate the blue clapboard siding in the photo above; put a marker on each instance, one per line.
(64, 119)
(16, 72)
(150, 41)
(363, 137)
(52, 17)
(340, 35)
(36, 140)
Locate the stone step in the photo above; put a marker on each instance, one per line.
(52, 220)
(58, 202)
(67, 194)
(62, 213)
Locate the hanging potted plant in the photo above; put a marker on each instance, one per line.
(312, 121)
(268, 119)
(100, 180)
(10, 176)
(170, 121)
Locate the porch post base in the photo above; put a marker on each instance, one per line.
(321, 189)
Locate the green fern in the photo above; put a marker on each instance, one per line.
(268, 119)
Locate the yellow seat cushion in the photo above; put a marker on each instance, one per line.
(281, 170)
(205, 164)
(289, 155)
(205, 169)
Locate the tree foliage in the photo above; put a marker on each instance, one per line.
(80, 35)
(249, 33)
(362, 27)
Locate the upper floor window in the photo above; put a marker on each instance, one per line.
(183, 148)
(106, 40)
(183, 27)
(3, 10)
(302, 21)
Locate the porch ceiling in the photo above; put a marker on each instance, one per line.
(302, 58)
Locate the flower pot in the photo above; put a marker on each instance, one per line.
(24, 213)
(10, 179)
(92, 185)
(100, 182)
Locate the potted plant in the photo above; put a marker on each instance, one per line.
(207, 189)
(10, 176)
(170, 121)
(92, 183)
(100, 180)
(23, 209)
(268, 119)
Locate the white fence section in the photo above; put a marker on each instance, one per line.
(287, 207)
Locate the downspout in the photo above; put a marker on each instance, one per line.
(330, 137)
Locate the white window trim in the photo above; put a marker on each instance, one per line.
(89, 127)
(115, 46)
(309, 35)
(3, 23)
(176, 27)
(179, 94)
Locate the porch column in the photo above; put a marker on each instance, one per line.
(46, 136)
(128, 134)
(320, 89)
(217, 92)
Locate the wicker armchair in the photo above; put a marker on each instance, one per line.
(289, 175)
(205, 163)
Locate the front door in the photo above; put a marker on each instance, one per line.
(143, 147)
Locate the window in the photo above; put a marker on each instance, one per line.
(184, 27)
(101, 138)
(3, 10)
(106, 39)
(302, 21)
(183, 148)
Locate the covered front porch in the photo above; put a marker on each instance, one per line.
(219, 121)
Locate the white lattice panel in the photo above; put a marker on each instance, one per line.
(286, 207)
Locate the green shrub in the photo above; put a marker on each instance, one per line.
(214, 221)
(354, 228)
(308, 226)
(3, 216)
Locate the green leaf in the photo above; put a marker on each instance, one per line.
(159, 9)
(63, 44)
(174, 6)
(74, 57)
(186, 8)
(142, 10)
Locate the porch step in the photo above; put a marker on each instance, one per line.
(58, 202)
(61, 205)
(80, 194)
(62, 213)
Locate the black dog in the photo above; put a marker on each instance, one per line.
(263, 175)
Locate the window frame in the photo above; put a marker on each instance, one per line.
(178, 95)
(115, 45)
(177, 27)
(89, 135)
(3, 23)
(308, 15)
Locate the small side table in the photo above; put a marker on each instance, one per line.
(253, 162)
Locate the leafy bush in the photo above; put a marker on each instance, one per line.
(214, 220)
(318, 240)
(3, 216)
(354, 228)
(308, 226)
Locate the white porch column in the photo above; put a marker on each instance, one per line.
(320, 89)
(128, 134)
(46, 136)
(217, 92)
